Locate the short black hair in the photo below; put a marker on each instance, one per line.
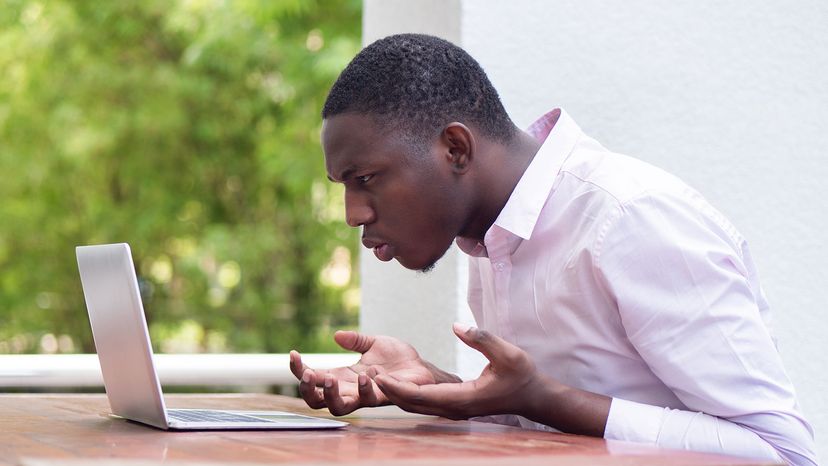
(419, 83)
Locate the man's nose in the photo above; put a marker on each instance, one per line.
(357, 210)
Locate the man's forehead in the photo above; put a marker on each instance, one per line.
(363, 129)
(341, 142)
(354, 143)
(351, 127)
(350, 141)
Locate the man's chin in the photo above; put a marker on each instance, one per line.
(420, 266)
(417, 266)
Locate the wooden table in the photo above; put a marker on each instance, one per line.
(61, 429)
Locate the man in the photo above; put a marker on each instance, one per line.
(612, 300)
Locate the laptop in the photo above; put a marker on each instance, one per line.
(119, 329)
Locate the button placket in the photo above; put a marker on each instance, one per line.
(497, 246)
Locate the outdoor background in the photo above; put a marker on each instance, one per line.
(189, 129)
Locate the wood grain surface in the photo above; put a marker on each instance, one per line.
(69, 429)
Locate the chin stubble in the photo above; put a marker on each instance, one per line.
(427, 268)
(431, 266)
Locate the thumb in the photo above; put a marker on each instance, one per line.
(354, 341)
(497, 350)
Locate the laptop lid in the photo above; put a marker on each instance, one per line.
(119, 330)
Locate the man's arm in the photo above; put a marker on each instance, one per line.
(690, 304)
(510, 384)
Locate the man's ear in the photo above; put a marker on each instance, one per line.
(459, 145)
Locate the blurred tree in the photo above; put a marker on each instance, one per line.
(189, 129)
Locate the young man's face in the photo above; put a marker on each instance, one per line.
(408, 204)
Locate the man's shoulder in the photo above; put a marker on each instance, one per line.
(593, 169)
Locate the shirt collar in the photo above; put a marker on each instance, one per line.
(519, 216)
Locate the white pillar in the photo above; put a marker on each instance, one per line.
(730, 96)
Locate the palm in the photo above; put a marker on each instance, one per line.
(389, 356)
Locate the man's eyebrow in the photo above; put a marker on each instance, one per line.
(347, 173)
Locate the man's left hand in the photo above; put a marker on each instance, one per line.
(509, 384)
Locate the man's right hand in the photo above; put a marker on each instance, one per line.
(345, 389)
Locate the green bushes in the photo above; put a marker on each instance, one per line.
(189, 129)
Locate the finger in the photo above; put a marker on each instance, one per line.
(298, 368)
(447, 400)
(373, 371)
(497, 350)
(337, 405)
(309, 392)
(430, 394)
(365, 388)
(354, 341)
(296, 365)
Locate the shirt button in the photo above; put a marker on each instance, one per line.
(500, 266)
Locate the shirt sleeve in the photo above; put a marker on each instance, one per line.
(688, 300)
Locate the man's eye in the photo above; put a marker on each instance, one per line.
(363, 179)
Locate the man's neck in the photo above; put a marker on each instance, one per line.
(501, 170)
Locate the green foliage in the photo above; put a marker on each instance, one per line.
(189, 129)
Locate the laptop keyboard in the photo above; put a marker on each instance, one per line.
(201, 415)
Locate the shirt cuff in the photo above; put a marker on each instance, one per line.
(633, 422)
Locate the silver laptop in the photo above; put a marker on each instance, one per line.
(119, 328)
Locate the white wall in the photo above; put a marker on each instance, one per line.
(731, 96)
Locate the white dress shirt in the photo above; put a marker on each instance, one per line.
(619, 279)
